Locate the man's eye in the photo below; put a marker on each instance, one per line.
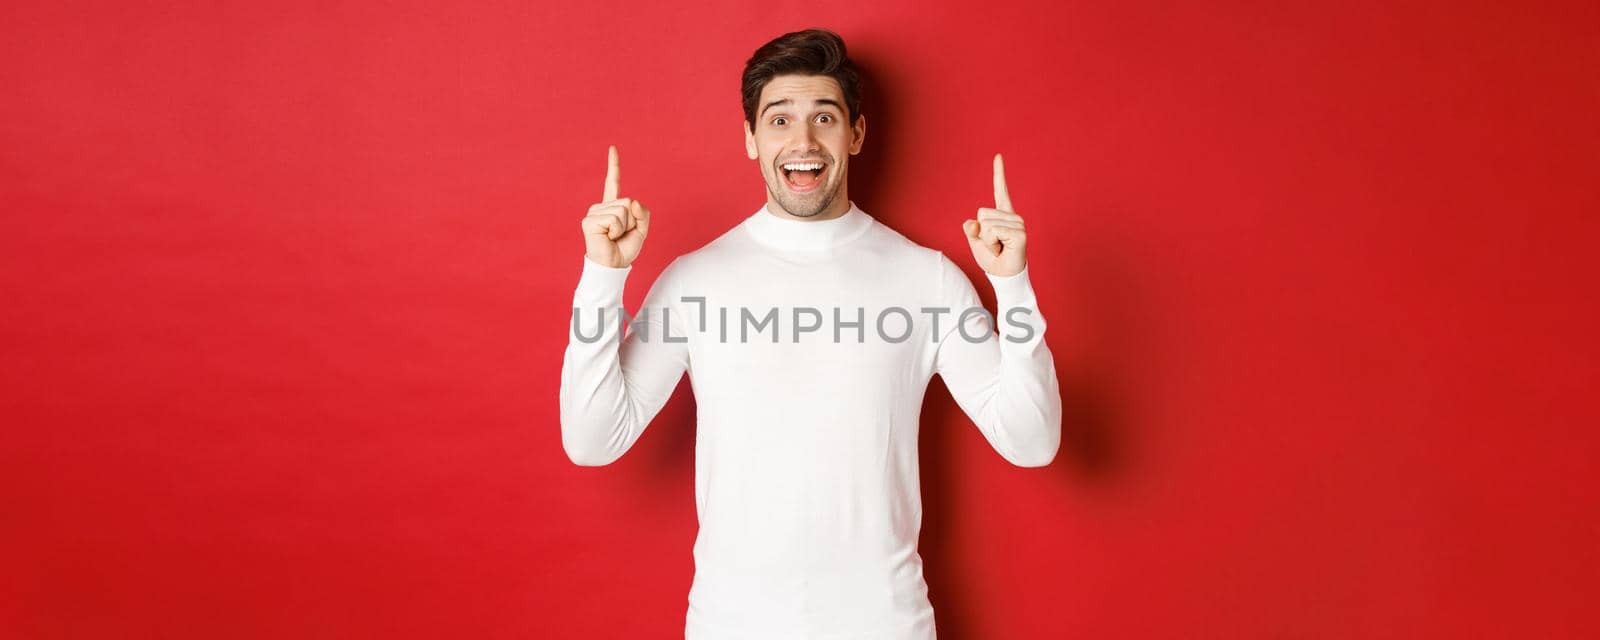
(826, 116)
(777, 121)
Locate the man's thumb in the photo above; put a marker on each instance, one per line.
(640, 217)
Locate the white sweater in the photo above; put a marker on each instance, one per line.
(806, 476)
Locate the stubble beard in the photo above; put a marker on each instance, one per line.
(811, 204)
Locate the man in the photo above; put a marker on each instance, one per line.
(806, 469)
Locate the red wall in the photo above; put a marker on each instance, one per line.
(285, 291)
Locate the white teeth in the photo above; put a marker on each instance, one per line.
(802, 166)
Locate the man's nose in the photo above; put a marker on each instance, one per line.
(807, 144)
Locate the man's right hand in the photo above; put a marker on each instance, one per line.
(615, 228)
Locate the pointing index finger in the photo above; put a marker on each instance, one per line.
(1002, 197)
(611, 175)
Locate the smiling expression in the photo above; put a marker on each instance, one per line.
(803, 145)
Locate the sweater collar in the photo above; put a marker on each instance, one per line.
(783, 233)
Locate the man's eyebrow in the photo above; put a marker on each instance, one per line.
(774, 103)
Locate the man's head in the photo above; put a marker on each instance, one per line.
(802, 103)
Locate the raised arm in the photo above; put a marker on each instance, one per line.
(613, 385)
(616, 377)
(1006, 383)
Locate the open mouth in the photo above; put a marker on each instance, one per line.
(801, 177)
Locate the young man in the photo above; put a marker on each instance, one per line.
(806, 476)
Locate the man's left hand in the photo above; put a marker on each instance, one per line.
(997, 239)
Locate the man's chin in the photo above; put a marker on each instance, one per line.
(804, 206)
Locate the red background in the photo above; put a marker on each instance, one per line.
(286, 291)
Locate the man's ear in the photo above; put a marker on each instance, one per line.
(750, 143)
(861, 134)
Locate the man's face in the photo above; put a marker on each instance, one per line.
(801, 119)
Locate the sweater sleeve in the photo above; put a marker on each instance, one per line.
(613, 385)
(1007, 383)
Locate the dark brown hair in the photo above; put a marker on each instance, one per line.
(810, 52)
